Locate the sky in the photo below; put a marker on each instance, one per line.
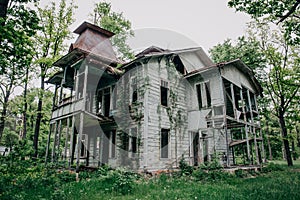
(173, 24)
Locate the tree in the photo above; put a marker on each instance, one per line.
(285, 13)
(55, 21)
(16, 38)
(116, 23)
(283, 78)
(245, 49)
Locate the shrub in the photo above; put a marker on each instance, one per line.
(272, 167)
(185, 168)
(213, 175)
(240, 173)
(120, 181)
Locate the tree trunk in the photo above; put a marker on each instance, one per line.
(269, 144)
(2, 120)
(270, 149)
(25, 106)
(3, 9)
(4, 111)
(38, 117)
(285, 139)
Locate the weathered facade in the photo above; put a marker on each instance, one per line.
(153, 111)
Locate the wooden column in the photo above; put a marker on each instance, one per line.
(54, 142)
(233, 100)
(59, 135)
(67, 138)
(246, 128)
(72, 142)
(252, 123)
(81, 121)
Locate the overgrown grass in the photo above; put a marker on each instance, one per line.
(276, 181)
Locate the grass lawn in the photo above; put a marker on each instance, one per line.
(277, 181)
(272, 185)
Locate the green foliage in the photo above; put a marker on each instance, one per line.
(211, 175)
(272, 167)
(120, 181)
(246, 49)
(16, 30)
(185, 168)
(116, 23)
(285, 13)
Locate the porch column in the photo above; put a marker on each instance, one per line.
(252, 123)
(67, 138)
(54, 142)
(233, 100)
(246, 128)
(72, 142)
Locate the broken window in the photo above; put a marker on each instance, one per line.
(178, 64)
(164, 90)
(124, 137)
(134, 141)
(103, 102)
(208, 97)
(134, 90)
(113, 144)
(199, 95)
(114, 97)
(164, 142)
(203, 95)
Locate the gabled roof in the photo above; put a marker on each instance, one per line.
(182, 53)
(236, 63)
(150, 50)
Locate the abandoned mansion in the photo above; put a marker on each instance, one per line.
(153, 111)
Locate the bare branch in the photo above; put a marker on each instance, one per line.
(291, 11)
(291, 98)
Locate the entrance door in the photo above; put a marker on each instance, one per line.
(105, 147)
(195, 136)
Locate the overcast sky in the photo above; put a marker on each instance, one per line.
(173, 24)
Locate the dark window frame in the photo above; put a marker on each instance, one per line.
(164, 93)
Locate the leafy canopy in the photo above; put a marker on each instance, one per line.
(286, 13)
(116, 23)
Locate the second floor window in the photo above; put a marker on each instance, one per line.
(164, 93)
(134, 92)
(203, 95)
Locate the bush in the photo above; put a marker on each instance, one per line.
(185, 168)
(120, 181)
(272, 167)
(240, 173)
(213, 175)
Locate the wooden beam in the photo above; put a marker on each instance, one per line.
(67, 138)
(246, 128)
(71, 158)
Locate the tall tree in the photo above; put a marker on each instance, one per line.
(55, 21)
(283, 78)
(284, 13)
(16, 52)
(116, 23)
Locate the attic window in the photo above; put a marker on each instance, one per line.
(179, 65)
(164, 90)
